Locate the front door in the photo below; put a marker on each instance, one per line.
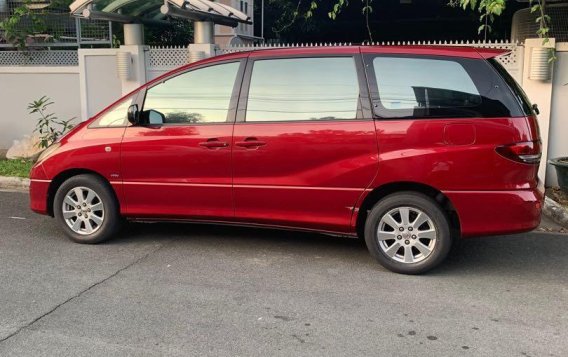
(304, 144)
(177, 162)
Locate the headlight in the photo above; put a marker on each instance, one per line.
(48, 152)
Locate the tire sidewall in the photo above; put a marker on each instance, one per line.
(102, 189)
(423, 203)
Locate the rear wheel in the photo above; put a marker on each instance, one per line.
(86, 208)
(408, 233)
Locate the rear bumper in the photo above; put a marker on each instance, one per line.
(497, 212)
(38, 195)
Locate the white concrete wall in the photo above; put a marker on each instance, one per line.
(21, 85)
(558, 135)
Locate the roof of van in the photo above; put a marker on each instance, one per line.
(453, 51)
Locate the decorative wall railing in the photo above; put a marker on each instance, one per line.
(39, 58)
(161, 59)
(165, 57)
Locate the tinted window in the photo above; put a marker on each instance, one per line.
(515, 87)
(200, 96)
(303, 89)
(409, 84)
(115, 116)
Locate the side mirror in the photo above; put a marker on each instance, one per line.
(535, 109)
(133, 114)
(155, 117)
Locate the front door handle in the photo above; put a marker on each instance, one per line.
(250, 143)
(214, 144)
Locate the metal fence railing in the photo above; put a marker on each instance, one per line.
(58, 29)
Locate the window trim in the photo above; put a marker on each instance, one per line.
(231, 112)
(503, 93)
(363, 107)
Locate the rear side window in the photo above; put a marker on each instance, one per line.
(291, 89)
(407, 84)
(436, 87)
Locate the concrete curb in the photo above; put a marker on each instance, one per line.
(14, 183)
(555, 212)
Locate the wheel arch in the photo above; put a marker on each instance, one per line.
(63, 176)
(384, 190)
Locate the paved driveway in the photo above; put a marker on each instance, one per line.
(166, 289)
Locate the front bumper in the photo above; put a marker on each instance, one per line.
(497, 212)
(39, 189)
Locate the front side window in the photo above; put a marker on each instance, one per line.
(197, 97)
(415, 87)
(115, 116)
(303, 89)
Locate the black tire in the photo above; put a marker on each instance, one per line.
(112, 219)
(414, 200)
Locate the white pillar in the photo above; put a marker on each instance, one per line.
(133, 34)
(203, 45)
(203, 32)
(540, 93)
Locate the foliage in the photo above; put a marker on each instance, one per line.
(49, 127)
(491, 8)
(25, 22)
(22, 23)
(488, 9)
(178, 33)
(17, 168)
(292, 11)
(115, 41)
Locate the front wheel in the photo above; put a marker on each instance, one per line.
(408, 233)
(86, 208)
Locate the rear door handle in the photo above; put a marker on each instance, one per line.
(214, 144)
(250, 143)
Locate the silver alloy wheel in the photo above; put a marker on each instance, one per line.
(406, 234)
(83, 210)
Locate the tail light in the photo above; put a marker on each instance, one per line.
(528, 152)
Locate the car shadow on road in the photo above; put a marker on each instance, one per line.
(515, 254)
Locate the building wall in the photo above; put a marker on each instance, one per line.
(558, 134)
(21, 85)
(242, 34)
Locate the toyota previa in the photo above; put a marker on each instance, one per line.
(409, 148)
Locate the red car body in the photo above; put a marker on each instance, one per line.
(315, 175)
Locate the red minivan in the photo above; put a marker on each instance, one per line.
(410, 148)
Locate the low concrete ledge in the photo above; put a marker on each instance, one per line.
(14, 183)
(555, 212)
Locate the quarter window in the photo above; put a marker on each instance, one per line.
(115, 116)
(200, 96)
(303, 89)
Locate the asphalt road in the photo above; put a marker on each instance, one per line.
(182, 290)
